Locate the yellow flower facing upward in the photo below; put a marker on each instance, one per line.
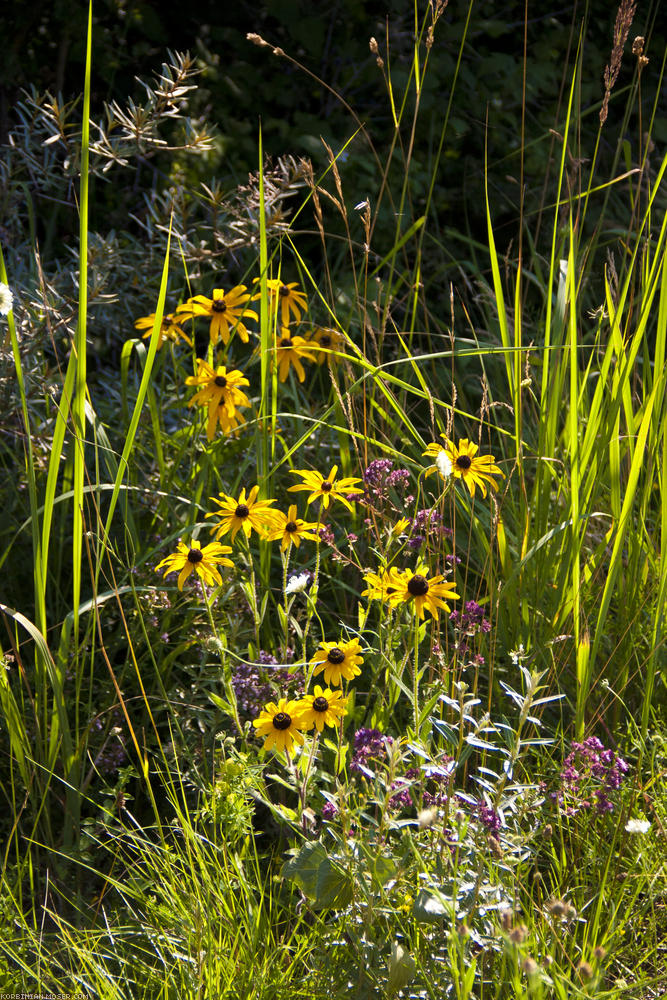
(325, 343)
(169, 329)
(220, 391)
(245, 513)
(280, 725)
(329, 489)
(291, 301)
(291, 351)
(337, 660)
(323, 708)
(226, 309)
(291, 529)
(466, 464)
(204, 562)
(432, 595)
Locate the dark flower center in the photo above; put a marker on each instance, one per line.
(325, 340)
(418, 586)
(195, 555)
(464, 461)
(241, 511)
(291, 526)
(285, 342)
(220, 381)
(320, 704)
(335, 655)
(281, 720)
(326, 486)
(284, 290)
(219, 306)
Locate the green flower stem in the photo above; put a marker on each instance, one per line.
(226, 669)
(312, 595)
(415, 677)
(252, 600)
(286, 605)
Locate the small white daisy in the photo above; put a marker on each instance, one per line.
(637, 826)
(6, 299)
(297, 583)
(443, 464)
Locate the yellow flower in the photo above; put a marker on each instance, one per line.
(466, 464)
(426, 594)
(280, 724)
(289, 298)
(219, 391)
(380, 586)
(325, 343)
(337, 659)
(204, 561)
(169, 329)
(247, 512)
(226, 309)
(291, 528)
(291, 351)
(400, 526)
(323, 708)
(327, 488)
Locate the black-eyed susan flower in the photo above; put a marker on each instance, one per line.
(170, 329)
(324, 343)
(220, 416)
(337, 660)
(219, 390)
(290, 352)
(280, 725)
(226, 309)
(329, 489)
(247, 513)
(204, 562)
(380, 586)
(423, 593)
(323, 708)
(291, 529)
(466, 464)
(290, 299)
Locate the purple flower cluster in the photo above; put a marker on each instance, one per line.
(471, 620)
(488, 817)
(426, 524)
(381, 476)
(370, 746)
(590, 774)
(329, 811)
(327, 535)
(437, 780)
(253, 690)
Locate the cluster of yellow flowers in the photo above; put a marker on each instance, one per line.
(219, 389)
(246, 513)
(283, 724)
